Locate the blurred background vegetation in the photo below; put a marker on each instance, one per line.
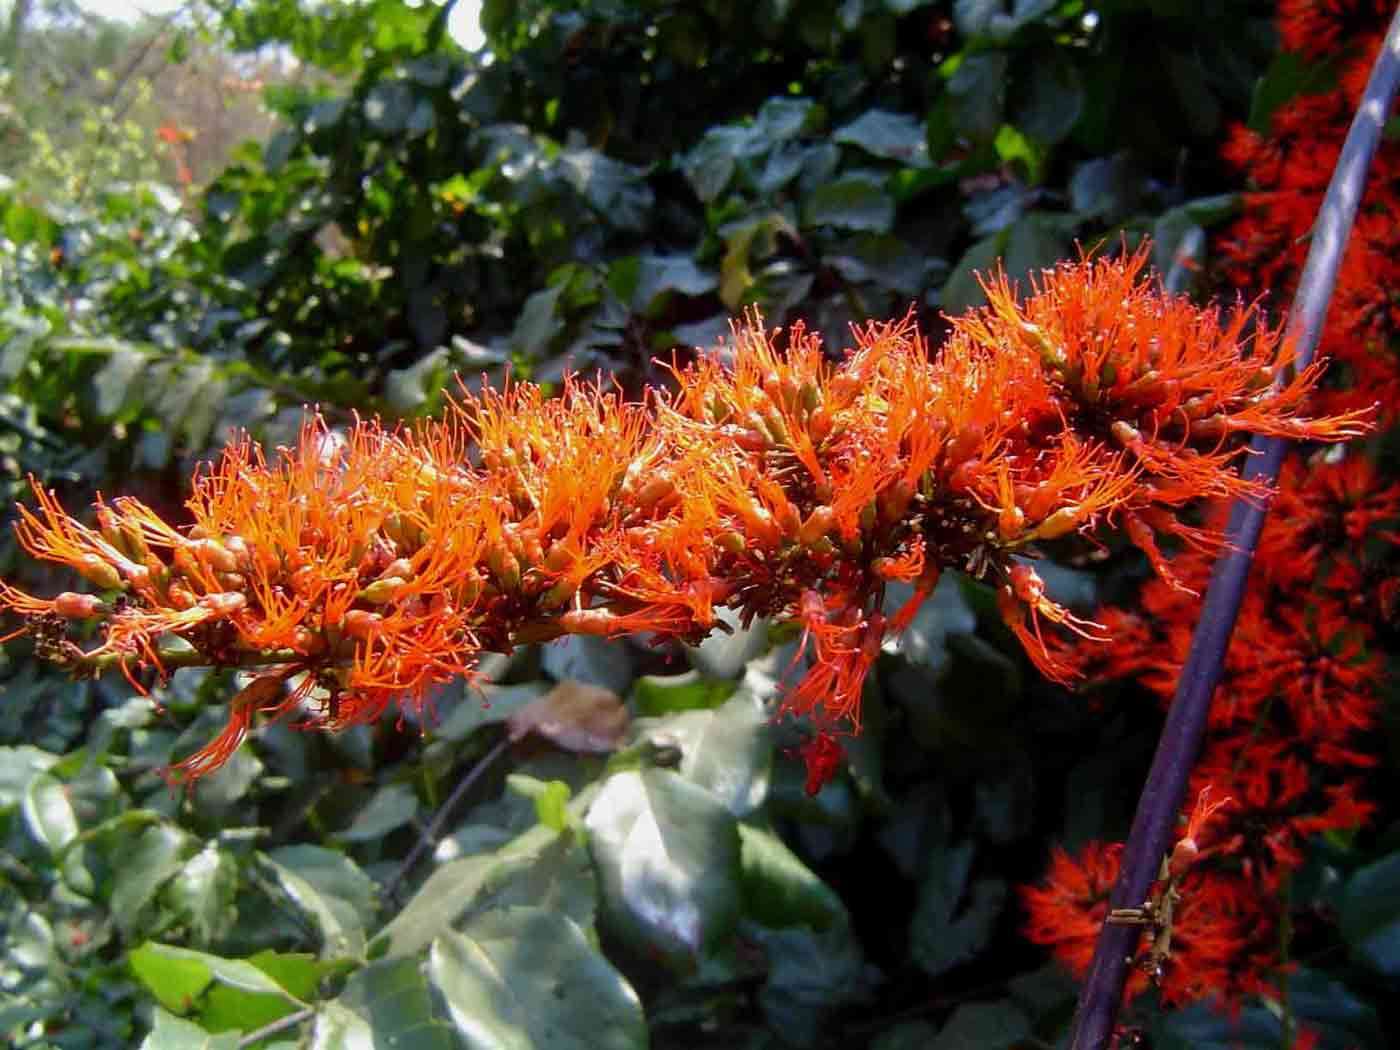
(215, 216)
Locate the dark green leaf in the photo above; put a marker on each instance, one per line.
(1370, 915)
(978, 93)
(810, 975)
(527, 977)
(886, 134)
(667, 854)
(385, 1006)
(779, 890)
(143, 868)
(202, 893)
(983, 1026)
(854, 202)
(962, 290)
(331, 890)
(389, 808)
(954, 916)
(1052, 99)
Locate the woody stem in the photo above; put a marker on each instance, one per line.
(1180, 741)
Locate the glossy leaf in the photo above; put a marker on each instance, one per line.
(527, 977)
(667, 854)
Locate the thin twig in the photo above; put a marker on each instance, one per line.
(291, 1020)
(430, 834)
(1181, 736)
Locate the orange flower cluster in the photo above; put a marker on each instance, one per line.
(362, 568)
(1288, 727)
(1287, 172)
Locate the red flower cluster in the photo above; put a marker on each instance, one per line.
(363, 568)
(1287, 736)
(1288, 725)
(1287, 171)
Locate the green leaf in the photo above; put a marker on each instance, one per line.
(1036, 241)
(983, 1026)
(811, 974)
(726, 750)
(856, 201)
(1175, 225)
(385, 1006)
(169, 1032)
(177, 976)
(447, 893)
(48, 814)
(551, 798)
(51, 821)
(954, 917)
(889, 135)
(722, 655)
(299, 973)
(881, 259)
(141, 870)
(388, 809)
(495, 704)
(539, 322)
(222, 789)
(710, 163)
(1370, 915)
(668, 273)
(1052, 100)
(656, 695)
(332, 890)
(977, 90)
(944, 614)
(779, 889)
(522, 978)
(962, 290)
(540, 868)
(388, 107)
(202, 894)
(667, 854)
(1105, 188)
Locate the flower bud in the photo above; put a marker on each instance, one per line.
(381, 591)
(400, 567)
(595, 622)
(95, 569)
(224, 603)
(1061, 523)
(361, 624)
(560, 593)
(74, 606)
(817, 525)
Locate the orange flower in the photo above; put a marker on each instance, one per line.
(378, 562)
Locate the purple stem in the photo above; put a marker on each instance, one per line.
(1180, 742)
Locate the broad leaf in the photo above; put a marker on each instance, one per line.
(667, 854)
(521, 978)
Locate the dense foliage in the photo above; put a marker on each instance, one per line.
(635, 860)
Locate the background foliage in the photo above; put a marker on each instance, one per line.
(634, 862)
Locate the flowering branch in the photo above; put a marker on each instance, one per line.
(362, 569)
(1180, 741)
